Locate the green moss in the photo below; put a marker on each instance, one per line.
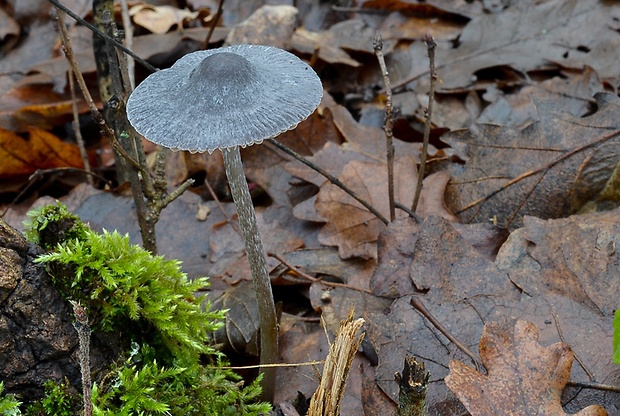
(58, 401)
(9, 405)
(149, 298)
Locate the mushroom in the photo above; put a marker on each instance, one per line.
(222, 99)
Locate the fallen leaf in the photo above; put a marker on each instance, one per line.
(42, 150)
(8, 26)
(267, 166)
(532, 35)
(159, 19)
(524, 378)
(549, 169)
(576, 257)
(268, 25)
(332, 44)
(240, 330)
(394, 249)
(464, 289)
(459, 10)
(571, 93)
(451, 269)
(350, 226)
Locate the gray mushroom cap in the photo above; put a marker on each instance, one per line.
(220, 98)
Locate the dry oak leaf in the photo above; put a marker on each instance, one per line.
(352, 227)
(530, 35)
(42, 150)
(549, 169)
(524, 378)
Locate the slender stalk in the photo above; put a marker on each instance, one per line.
(83, 329)
(389, 122)
(218, 14)
(76, 120)
(430, 46)
(258, 266)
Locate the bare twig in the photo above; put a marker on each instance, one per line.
(128, 29)
(329, 177)
(389, 122)
(420, 307)
(94, 111)
(276, 365)
(559, 329)
(412, 388)
(42, 172)
(142, 183)
(430, 46)
(76, 121)
(408, 211)
(127, 138)
(217, 200)
(105, 36)
(306, 276)
(593, 385)
(218, 14)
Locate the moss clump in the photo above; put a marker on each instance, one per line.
(148, 298)
(59, 400)
(9, 405)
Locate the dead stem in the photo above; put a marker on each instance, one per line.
(389, 123)
(430, 47)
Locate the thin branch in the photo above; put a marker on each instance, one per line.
(593, 385)
(128, 29)
(83, 329)
(408, 211)
(389, 123)
(218, 14)
(420, 307)
(217, 201)
(430, 47)
(561, 335)
(329, 177)
(94, 111)
(76, 120)
(104, 35)
(312, 279)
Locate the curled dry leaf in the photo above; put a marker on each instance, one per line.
(524, 378)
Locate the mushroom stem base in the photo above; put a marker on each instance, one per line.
(258, 266)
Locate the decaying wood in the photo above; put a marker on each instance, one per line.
(326, 399)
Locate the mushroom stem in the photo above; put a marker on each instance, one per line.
(258, 266)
